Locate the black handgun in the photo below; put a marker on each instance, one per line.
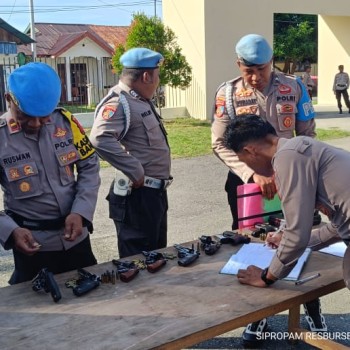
(154, 261)
(86, 282)
(186, 255)
(209, 246)
(234, 238)
(45, 280)
(262, 229)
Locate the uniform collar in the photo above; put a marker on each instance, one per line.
(131, 91)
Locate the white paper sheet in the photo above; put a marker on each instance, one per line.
(337, 249)
(260, 255)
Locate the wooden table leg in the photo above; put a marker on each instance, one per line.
(294, 318)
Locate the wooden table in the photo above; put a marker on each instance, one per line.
(171, 309)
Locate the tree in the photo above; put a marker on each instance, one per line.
(150, 32)
(295, 39)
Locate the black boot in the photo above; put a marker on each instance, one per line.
(314, 317)
(253, 332)
(340, 111)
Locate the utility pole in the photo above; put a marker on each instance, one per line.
(32, 29)
(155, 8)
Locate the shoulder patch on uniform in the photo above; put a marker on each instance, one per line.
(219, 112)
(220, 101)
(108, 112)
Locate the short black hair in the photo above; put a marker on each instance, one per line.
(134, 74)
(246, 128)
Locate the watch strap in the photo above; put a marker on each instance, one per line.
(267, 281)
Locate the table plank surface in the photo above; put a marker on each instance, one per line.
(170, 309)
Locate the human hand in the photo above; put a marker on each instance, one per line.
(251, 276)
(267, 185)
(73, 227)
(273, 239)
(24, 241)
(139, 183)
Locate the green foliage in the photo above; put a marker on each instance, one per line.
(150, 32)
(120, 49)
(295, 39)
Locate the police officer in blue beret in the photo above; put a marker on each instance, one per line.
(129, 134)
(278, 98)
(48, 210)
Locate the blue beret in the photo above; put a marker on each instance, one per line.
(36, 87)
(253, 49)
(140, 57)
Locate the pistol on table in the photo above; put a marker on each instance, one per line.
(84, 284)
(209, 246)
(234, 238)
(187, 255)
(154, 261)
(45, 280)
(126, 270)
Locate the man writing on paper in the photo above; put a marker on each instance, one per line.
(308, 174)
(276, 97)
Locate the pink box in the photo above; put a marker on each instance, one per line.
(252, 207)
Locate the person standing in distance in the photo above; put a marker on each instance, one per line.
(340, 87)
(280, 99)
(129, 134)
(49, 175)
(308, 82)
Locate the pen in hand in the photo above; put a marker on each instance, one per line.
(306, 279)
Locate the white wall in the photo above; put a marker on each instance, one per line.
(334, 50)
(85, 48)
(208, 30)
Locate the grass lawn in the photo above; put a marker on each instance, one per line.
(190, 137)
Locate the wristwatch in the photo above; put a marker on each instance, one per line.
(267, 281)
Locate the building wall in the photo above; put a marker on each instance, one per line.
(188, 26)
(208, 30)
(334, 50)
(84, 48)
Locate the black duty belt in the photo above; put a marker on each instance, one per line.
(52, 224)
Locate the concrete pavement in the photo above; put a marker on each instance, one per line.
(327, 117)
(198, 205)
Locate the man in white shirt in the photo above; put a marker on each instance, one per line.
(340, 87)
